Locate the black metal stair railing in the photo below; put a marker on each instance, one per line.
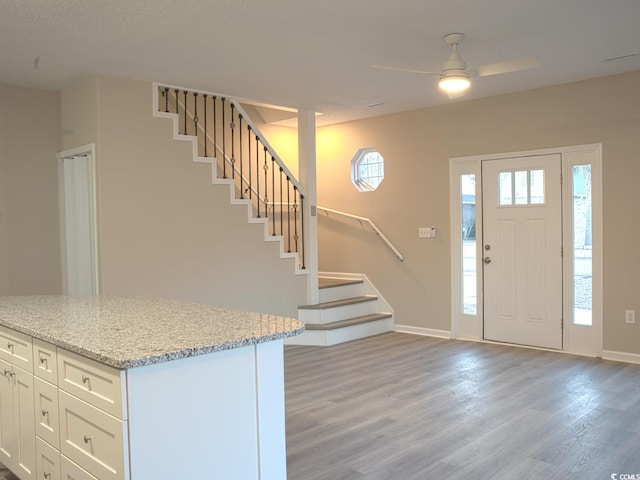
(242, 156)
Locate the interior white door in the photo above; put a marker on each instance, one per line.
(79, 225)
(522, 249)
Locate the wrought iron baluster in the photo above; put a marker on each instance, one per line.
(195, 118)
(281, 208)
(302, 226)
(266, 184)
(258, 175)
(177, 92)
(288, 215)
(232, 126)
(215, 127)
(273, 194)
(240, 147)
(224, 147)
(206, 138)
(249, 188)
(166, 99)
(185, 112)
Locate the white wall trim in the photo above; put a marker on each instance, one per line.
(621, 356)
(427, 332)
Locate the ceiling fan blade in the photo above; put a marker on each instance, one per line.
(404, 70)
(504, 67)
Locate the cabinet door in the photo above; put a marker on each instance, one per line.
(71, 471)
(47, 461)
(25, 454)
(7, 424)
(46, 412)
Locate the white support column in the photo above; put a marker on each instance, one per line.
(307, 172)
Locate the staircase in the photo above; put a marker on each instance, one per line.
(349, 308)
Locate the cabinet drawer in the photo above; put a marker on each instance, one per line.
(16, 348)
(71, 471)
(46, 412)
(92, 438)
(45, 363)
(47, 461)
(93, 382)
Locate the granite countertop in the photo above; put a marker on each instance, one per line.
(126, 332)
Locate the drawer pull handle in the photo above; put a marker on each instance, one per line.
(45, 413)
(43, 361)
(87, 438)
(10, 346)
(46, 475)
(9, 372)
(85, 379)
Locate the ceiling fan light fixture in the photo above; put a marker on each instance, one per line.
(454, 82)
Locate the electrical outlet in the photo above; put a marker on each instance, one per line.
(630, 316)
(424, 232)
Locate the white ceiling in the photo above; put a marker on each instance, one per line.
(315, 54)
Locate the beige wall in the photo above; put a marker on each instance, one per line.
(29, 228)
(79, 112)
(417, 146)
(165, 230)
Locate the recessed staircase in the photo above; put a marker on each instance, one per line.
(349, 308)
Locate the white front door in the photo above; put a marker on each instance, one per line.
(522, 250)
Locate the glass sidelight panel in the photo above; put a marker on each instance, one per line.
(582, 251)
(469, 247)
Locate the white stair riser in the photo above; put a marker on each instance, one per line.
(335, 314)
(340, 335)
(336, 293)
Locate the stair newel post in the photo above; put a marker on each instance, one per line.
(206, 138)
(195, 118)
(232, 127)
(185, 112)
(241, 156)
(266, 183)
(224, 145)
(288, 215)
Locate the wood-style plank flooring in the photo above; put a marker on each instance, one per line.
(406, 407)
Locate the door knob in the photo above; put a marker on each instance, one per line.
(486, 259)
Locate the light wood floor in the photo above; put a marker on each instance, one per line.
(406, 407)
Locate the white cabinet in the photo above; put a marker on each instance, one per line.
(17, 425)
(65, 416)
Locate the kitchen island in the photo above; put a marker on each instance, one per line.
(130, 388)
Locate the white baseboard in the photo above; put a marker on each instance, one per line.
(621, 356)
(427, 332)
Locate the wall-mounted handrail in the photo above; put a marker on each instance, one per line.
(368, 221)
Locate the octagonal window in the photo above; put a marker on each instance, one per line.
(367, 169)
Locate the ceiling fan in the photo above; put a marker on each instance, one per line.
(455, 77)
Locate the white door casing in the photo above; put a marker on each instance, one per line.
(522, 250)
(467, 323)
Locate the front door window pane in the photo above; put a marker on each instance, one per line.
(469, 275)
(506, 192)
(582, 252)
(536, 178)
(521, 188)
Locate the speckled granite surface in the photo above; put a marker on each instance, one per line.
(127, 332)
